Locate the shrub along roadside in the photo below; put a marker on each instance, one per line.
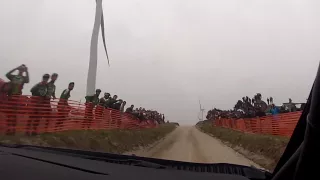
(264, 150)
(113, 141)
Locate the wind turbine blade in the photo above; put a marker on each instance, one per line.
(103, 37)
(92, 72)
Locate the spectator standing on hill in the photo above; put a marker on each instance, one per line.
(15, 87)
(291, 106)
(108, 102)
(17, 81)
(130, 109)
(136, 113)
(260, 106)
(104, 99)
(94, 99)
(63, 106)
(117, 104)
(112, 101)
(40, 89)
(51, 93)
(274, 110)
(39, 92)
(122, 106)
(142, 114)
(65, 95)
(91, 102)
(100, 110)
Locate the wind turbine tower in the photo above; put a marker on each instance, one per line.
(201, 110)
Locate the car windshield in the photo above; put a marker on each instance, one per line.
(196, 81)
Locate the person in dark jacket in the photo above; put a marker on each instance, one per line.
(130, 109)
(112, 101)
(117, 104)
(38, 92)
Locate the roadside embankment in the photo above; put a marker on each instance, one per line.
(264, 150)
(113, 141)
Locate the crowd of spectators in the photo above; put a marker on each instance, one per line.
(254, 107)
(44, 91)
(112, 102)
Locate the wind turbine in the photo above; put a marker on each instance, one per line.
(92, 72)
(201, 110)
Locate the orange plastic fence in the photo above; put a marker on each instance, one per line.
(281, 124)
(31, 114)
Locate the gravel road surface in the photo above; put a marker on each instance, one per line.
(187, 143)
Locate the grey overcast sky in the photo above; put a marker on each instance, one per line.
(167, 54)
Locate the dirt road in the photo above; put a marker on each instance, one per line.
(187, 143)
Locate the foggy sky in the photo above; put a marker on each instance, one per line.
(166, 55)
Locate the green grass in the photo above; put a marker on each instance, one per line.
(267, 146)
(113, 141)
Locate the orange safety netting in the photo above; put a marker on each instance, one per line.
(32, 114)
(281, 124)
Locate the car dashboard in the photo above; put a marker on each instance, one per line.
(32, 162)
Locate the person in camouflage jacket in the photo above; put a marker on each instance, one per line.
(38, 92)
(63, 106)
(91, 102)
